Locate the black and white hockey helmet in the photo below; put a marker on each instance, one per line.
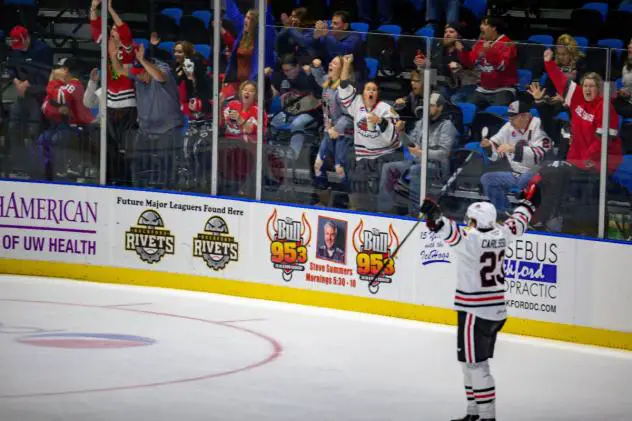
(484, 213)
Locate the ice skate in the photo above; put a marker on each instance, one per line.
(469, 418)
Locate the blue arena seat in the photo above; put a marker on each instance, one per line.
(372, 65)
(143, 41)
(468, 110)
(524, 78)
(203, 15)
(477, 7)
(499, 110)
(394, 30)
(427, 31)
(602, 8)
(204, 49)
(543, 39)
(174, 13)
(167, 46)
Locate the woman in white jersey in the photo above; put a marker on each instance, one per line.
(480, 293)
(375, 136)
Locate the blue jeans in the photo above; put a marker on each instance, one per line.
(496, 185)
(404, 173)
(434, 9)
(338, 150)
(295, 125)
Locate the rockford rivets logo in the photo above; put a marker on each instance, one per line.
(149, 239)
(289, 240)
(374, 248)
(215, 245)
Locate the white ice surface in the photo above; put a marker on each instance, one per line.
(333, 365)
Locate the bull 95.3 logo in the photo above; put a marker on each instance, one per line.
(375, 248)
(215, 246)
(149, 238)
(289, 240)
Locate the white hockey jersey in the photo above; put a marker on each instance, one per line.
(370, 143)
(531, 145)
(480, 255)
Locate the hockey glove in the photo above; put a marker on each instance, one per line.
(530, 197)
(432, 212)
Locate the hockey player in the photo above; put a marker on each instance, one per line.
(480, 292)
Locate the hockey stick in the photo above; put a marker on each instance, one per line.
(442, 193)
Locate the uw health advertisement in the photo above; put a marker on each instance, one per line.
(546, 278)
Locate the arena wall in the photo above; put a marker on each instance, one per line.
(560, 288)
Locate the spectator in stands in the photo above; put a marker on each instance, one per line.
(384, 10)
(406, 106)
(337, 140)
(121, 99)
(584, 156)
(495, 55)
(524, 144)
(375, 138)
(160, 120)
(92, 94)
(300, 98)
(295, 38)
(61, 147)
(404, 177)
(243, 62)
(29, 65)
(456, 83)
(339, 42)
(239, 117)
(623, 101)
(435, 9)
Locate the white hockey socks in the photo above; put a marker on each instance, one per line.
(469, 391)
(483, 388)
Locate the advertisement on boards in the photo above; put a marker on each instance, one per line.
(44, 223)
(538, 277)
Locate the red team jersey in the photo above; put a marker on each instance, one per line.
(69, 94)
(234, 130)
(498, 64)
(586, 123)
(120, 87)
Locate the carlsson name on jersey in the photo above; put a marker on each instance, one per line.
(215, 246)
(374, 249)
(289, 240)
(149, 238)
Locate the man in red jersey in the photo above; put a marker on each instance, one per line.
(63, 148)
(496, 57)
(585, 102)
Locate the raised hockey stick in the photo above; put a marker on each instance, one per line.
(442, 192)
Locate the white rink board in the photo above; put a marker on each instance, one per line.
(549, 278)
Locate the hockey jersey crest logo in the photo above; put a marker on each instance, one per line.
(215, 246)
(289, 240)
(149, 238)
(374, 249)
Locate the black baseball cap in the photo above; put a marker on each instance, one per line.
(71, 63)
(518, 107)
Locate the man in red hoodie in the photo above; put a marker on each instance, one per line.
(583, 161)
(496, 57)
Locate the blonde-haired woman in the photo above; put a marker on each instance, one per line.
(338, 137)
(570, 60)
